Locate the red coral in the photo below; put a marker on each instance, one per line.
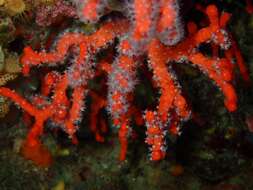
(249, 6)
(155, 29)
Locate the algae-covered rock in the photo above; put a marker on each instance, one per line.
(1, 59)
(7, 30)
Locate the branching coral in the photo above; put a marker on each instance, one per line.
(154, 30)
(249, 6)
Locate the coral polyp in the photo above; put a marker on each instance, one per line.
(15, 7)
(152, 34)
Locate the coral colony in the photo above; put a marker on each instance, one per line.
(150, 32)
